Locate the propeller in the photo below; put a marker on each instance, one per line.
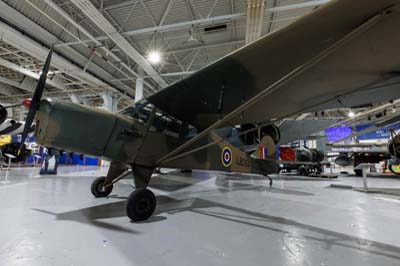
(3, 114)
(35, 102)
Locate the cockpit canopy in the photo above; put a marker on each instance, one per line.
(162, 122)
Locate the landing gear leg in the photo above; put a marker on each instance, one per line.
(103, 186)
(141, 203)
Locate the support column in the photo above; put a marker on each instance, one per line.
(74, 98)
(139, 85)
(109, 102)
(21, 114)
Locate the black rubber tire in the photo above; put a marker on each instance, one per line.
(97, 188)
(358, 172)
(140, 204)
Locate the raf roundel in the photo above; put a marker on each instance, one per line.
(226, 157)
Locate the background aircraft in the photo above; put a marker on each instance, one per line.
(12, 127)
(357, 153)
(177, 127)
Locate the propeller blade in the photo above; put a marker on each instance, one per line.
(3, 114)
(10, 129)
(37, 96)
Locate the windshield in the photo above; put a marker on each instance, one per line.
(140, 111)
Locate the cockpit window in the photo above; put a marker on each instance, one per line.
(162, 122)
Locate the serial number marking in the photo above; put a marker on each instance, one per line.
(242, 162)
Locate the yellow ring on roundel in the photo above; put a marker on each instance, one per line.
(226, 157)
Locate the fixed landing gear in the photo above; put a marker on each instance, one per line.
(140, 204)
(98, 188)
(103, 186)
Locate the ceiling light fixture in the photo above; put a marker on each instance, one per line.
(154, 57)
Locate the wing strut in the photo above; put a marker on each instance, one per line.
(278, 84)
(214, 143)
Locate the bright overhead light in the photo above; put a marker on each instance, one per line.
(351, 114)
(48, 73)
(154, 57)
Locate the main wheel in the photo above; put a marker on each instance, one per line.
(140, 204)
(358, 172)
(98, 189)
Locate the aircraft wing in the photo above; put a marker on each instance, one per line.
(371, 128)
(358, 147)
(327, 59)
(11, 127)
(292, 130)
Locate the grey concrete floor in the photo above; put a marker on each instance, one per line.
(202, 219)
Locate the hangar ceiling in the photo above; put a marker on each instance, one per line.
(101, 45)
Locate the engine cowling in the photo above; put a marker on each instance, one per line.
(309, 155)
(344, 160)
(303, 155)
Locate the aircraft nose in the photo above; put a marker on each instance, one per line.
(81, 129)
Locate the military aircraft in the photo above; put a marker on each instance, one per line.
(357, 153)
(12, 127)
(341, 55)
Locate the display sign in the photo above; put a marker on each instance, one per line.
(336, 133)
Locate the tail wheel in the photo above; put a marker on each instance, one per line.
(98, 189)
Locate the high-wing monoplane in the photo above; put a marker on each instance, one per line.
(343, 54)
